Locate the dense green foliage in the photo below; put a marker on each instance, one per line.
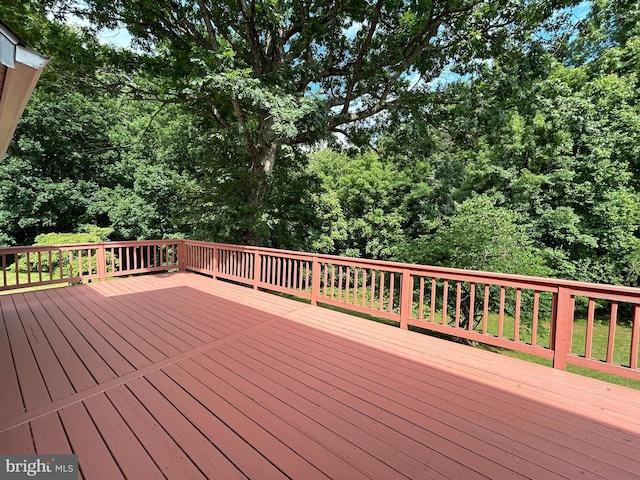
(526, 160)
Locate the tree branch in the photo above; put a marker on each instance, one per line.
(209, 26)
(363, 48)
(252, 36)
(217, 115)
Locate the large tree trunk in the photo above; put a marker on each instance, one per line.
(266, 145)
(264, 153)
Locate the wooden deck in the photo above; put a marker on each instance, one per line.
(177, 376)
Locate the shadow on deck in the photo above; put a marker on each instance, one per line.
(177, 376)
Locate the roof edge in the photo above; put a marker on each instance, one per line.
(10, 34)
(30, 58)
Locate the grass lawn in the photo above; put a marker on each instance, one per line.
(599, 348)
(24, 279)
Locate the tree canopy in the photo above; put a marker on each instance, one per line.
(281, 74)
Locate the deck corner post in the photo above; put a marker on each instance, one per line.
(257, 269)
(406, 297)
(101, 261)
(315, 280)
(562, 327)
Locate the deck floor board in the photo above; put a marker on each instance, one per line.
(505, 410)
(200, 450)
(120, 347)
(532, 380)
(62, 368)
(78, 329)
(11, 395)
(499, 430)
(32, 385)
(86, 348)
(178, 376)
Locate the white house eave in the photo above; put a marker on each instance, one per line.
(20, 68)
(4, 30)
(30, 58)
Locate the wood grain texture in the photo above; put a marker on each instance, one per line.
(178, 376)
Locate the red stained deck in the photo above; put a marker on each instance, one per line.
(177, 376)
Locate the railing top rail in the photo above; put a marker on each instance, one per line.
(79, 246)
(45, 248)
(605, 291)
(624, 293)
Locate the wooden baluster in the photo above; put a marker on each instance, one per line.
(588, 341)
(501, 313)
(134, 251)
(613, 319)
(485, 309)
(216, 266)
(333, 279)
(421, 299)
(101, 262)
(445, 299)
(315, 281)
(372, 300)
(392, 277)
(516, 320)
(325, 268)
(355, 285)
(90, 254)
(635, 338)
(472, 300)
(534, 321)
(381, 292)
(406, 298)
(458, 302)
(28, 268)
(257, 269)
(39, 266)
(434, 296)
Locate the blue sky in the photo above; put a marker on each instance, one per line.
(122, 38)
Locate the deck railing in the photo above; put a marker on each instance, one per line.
(526, 314)
(45, 265)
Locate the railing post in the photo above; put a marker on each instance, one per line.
(182, 256)
(257, 267)
(101, 260)
(315, 281)
(406, 297)
(215, 262)
(562, 327)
